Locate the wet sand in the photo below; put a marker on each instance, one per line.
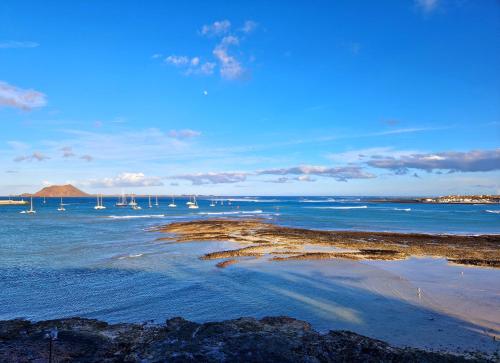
(277, 243)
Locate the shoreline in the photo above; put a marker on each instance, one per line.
(416, 201)
(178, 340)
(278, 243)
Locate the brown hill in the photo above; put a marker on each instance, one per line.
(60, 191)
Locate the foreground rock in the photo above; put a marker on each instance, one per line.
(272, 339)
(287, 243)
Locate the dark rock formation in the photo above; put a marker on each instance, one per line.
(284, 243)
(272, 339)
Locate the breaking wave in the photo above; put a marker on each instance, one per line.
(248, 200)
(329, 200)
(493, 211)
(258, 211)
(346, 207)
(130, 256)
(139, 216)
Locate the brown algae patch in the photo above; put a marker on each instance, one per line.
(224, 264)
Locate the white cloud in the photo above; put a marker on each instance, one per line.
(125, 180)
(24, 99)
(204, 69)
(280, 180)
(184, 134)
(230, 40)
(249, 26)
(216, 28)
(230, 67)
(207, 68)
(17, 44)
(140, 145)
(192, 65)
(87, 158)
(472, 161)
(404, 131)
(213, 178)
(360, 155)
(35, 156)
(427, 6)
(67, 152)
(340, 174)
(305, 178)
(300, 178)
(354, 48)
(177, 60)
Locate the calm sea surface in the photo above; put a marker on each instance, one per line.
(107, 264)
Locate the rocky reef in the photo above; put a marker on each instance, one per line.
(271, 339)
(278, 243)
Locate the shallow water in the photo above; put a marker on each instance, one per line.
(107, 264)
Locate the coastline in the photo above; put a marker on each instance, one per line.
(278, 243)
(269, 339)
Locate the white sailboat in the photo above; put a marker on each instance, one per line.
(31, 210)
(194, 205)
(149, 203)
(189, 202)
(133, 203)
(122, 201)
(44, 201)
(99, 204)
(172, 205)
(212, 203)
(156, 202)
(61, 207)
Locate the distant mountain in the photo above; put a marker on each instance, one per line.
(61, 191)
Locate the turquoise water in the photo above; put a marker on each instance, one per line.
(108, 264)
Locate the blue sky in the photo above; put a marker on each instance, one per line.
(257, 97)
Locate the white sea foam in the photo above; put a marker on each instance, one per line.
(316, 200)
(130, 256)
(329, 200)
(258, 211)
(248, 200)
(493, 211)
(346, 207)
(138, 216)
(403, 209)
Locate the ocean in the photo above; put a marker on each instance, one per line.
(109, 264)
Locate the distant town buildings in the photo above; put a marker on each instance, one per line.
(464, 199)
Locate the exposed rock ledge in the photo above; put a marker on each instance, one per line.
(279, 243)
(271, 339)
